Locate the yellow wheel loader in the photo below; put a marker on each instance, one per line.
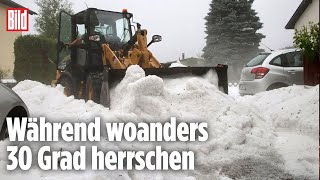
(105, 47)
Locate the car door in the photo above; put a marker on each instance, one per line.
(276, 74)
(294, 67)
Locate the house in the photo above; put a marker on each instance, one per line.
(308, 11)
(7, 38)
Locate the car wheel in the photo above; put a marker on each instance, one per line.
(276, 86)
(4, 131)
(15, 112)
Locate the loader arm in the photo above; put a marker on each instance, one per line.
(135, 53)
(147, 60)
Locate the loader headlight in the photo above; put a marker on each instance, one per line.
(94, 38)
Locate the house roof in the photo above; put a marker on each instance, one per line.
(15, 5)
(296, 16)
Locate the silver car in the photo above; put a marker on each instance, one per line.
(272, 70)
(11, 105)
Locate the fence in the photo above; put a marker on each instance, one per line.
(233, 84)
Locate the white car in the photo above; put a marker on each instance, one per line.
(11, 105)
(272, 70)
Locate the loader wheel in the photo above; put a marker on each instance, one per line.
(93, 88)
(66, 82)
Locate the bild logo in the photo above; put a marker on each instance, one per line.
(17, 19)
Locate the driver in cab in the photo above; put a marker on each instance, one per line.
(93, 36)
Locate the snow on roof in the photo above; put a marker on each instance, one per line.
(282, 51)
(177, 65)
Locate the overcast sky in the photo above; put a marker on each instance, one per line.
(181, 22)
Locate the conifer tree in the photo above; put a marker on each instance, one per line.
(232, 37)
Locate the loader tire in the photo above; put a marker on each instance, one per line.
(93, 88)
(66, 82)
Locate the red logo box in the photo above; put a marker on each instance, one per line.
(17, 19)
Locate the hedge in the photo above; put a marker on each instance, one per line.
(32, 54)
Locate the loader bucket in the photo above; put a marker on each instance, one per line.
(113, 76)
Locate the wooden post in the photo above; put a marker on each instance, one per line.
(311, 70)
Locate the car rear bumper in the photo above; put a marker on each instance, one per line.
(252, 87)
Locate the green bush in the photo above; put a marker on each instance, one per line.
(307, 39)
(32, 54)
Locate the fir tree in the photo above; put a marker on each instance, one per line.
(231, 27)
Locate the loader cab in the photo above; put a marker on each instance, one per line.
(93, 27)
(114, 26)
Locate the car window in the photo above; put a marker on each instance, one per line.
(294, 59)
(277, 61)
(258, 60)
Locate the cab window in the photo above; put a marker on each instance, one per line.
(81, 30)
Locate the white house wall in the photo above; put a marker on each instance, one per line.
(310, 14)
